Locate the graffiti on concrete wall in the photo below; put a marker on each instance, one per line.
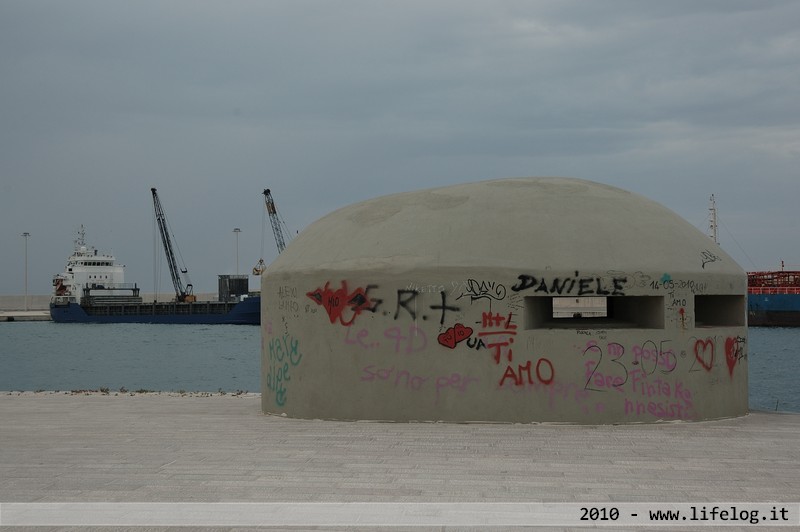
(454, 335)
(284, 355)
(404, 379)
(734, 352)
(342, 304)
(473, 328)
(578, 285)
(483, 290)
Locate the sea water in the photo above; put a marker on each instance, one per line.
(82, 356)
(211, 358)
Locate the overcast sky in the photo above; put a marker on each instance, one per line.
(332, 102)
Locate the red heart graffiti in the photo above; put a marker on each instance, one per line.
(448, 338)
(454, 335)
(336, 302)
(700, 348)
(462, 332)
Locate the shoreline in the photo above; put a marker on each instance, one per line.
(24, 315)
(131, 393)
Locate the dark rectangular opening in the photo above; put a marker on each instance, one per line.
(720, 311)
(615, 312)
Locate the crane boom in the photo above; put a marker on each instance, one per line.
(273, 219)
(275, 222)
(181, 294)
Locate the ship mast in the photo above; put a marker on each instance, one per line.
(712, 220)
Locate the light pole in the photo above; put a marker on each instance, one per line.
(237, 231)
(25, 235)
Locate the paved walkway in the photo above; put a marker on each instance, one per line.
(220, 448)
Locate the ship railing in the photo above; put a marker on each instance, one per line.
(778, 279)
(764, 290)
(114, 288)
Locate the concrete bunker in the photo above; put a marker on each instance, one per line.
(512, 300)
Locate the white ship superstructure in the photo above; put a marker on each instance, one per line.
(87, 268)
(92, 290)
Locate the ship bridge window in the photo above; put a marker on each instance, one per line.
(614, 312)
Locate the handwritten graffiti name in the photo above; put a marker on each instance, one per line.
(404, 379)
(499, 331)
(412, 340)
(545, 373)
(425, 288)
(407, 300)
(659, 409)
(283, 356)
(640, 384)
(489, 290)
(344, 305)
(577, 285)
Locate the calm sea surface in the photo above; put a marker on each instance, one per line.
(209, 358)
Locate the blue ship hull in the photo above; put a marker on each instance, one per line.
(246, 312)
(773, 310)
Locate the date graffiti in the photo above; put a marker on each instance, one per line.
(610, 368)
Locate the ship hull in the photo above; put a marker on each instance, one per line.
(246, 312)
(773, 310)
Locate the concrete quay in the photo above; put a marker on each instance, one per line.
(210, 448)
(24, 315)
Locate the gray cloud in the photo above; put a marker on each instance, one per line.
(333, 102)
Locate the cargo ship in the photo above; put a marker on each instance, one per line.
(773, 299)
(92, 289)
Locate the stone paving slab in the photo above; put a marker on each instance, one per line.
(65, 447)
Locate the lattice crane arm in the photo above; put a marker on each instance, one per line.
(274, 220)
(181, 293)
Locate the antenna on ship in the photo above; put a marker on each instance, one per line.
(81, 240)
(712, 220)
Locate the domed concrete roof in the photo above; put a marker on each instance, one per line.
(519, 300)
(553, 223)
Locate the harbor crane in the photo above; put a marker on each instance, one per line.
(275, 221)
(183, 293)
